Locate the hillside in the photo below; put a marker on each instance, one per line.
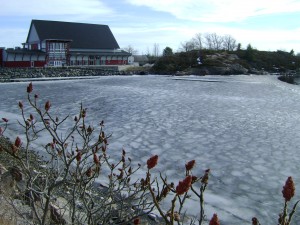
(224, 63)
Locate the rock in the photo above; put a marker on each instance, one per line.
(16, 173)
(238, 69)
(56, 214)
(2, 169)
(9, 180)
(8, 184)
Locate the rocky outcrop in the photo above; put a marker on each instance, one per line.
(223, 64)
(217, 64)
(230, 69)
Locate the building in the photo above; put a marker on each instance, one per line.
(141, 60)
(56, 44)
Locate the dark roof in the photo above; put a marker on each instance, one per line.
(83, 36)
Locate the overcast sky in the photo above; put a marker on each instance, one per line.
(265, 24)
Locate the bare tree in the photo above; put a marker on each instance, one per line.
(156, 50)
(188, 46)
(208, 41)
(217, 41)
(148, 52)
(229, 43)
(131, 50)
(213, 41)
(198, 41)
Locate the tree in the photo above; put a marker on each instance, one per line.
(249, 53)
(229, 43)
(217, 41)
(198, 41)
(239, 47)
(188, 46)
(213, 41)
(155, 49)
(167, 51)
(292, 52)
(131, 50)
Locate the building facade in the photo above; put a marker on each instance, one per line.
(56, 44)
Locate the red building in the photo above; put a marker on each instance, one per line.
(55, 44)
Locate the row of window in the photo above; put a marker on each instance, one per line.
(86, 62)
(55, 46)
(56, 63)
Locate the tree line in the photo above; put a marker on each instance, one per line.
(201, 41)
(210, 41)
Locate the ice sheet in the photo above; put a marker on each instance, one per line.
(244, 128)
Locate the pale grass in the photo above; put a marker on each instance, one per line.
(7, 218)
(4, 221)
(8, 215)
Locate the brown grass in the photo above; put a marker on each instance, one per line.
(5, 220)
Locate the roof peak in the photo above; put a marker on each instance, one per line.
(56, 21)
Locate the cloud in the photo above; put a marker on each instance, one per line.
(219, 11)
(35, 8)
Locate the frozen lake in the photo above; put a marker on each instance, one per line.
(246, 129)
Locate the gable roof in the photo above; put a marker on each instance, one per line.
(82, 35)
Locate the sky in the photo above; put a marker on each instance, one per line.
(269, 25)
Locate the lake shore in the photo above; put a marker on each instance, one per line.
(22, 74)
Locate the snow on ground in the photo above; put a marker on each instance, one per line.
(244, 128)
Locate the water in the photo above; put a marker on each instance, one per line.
(244, 128)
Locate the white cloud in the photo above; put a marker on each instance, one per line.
(54, 7)
(219, 10)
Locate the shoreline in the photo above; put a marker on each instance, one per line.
(23, 74)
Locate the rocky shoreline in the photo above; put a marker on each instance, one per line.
(14, 74)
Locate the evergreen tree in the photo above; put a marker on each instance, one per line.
(167, 51)
(249, 53)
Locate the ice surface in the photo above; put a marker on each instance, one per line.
(244, 128)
